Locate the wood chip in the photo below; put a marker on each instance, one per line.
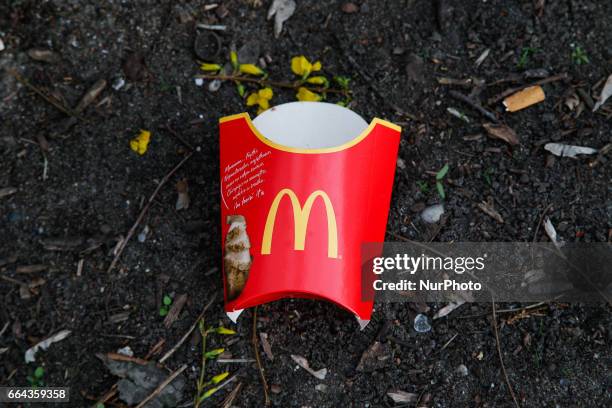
(31, 268)
(523, 99)
(502, 132)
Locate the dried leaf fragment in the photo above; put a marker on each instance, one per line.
(402, 397)
(502, 132)
(444, 311)
(302, 362)
(30, 354)
(90, 95)
(266, 345)
(281, 10)
(182, 201)
(526, 97)
(606, 92)
(488, 209)
(563, 150)
(7, 191)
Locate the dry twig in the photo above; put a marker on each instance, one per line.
(501, 358)
(191, 329)
(121, 247)
(161, 386)
(264, 383)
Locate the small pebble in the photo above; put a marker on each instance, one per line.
(118, 83)
(462, 370)
(1, 45)
(421, 323)
(350, 8)
(214, 85)
(142, 237)
(199, 81)
(321, 387)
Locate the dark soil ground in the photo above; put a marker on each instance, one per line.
(95, 186)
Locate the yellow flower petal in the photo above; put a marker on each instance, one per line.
(234, 58)
(316, 66)
(252, 99)
(300, 65)
(140, 143)
(264, 104)
(210, 67)
(317, 80)
(219, 377)
(265, 93)
(306, 95)
(250, 69)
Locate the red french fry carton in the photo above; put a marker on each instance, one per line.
(302, 187)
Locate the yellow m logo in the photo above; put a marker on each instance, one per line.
(300, 219)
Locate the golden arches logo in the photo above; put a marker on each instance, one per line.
(300, 219)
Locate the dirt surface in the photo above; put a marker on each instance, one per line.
(87, 188)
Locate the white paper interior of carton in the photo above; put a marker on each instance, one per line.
(309, 125)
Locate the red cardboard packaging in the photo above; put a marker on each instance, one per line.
(302, 186)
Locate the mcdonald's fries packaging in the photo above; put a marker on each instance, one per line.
(302, 187)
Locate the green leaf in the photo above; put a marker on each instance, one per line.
(440, 188)
(342, 81)
(39, 372)
(167, 300)
(213, 353)
(163, 311)
(223, 330)
(208, 393)
(442, 173)
(240, 89)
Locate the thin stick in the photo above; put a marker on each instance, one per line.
(264, 383)
(474, 104)
(43, 95)
(161, 386)
(501, 358)
(265, 82)
(193, 326)
(144, 211)
(510, 91)
(542, 215)
(177, 136)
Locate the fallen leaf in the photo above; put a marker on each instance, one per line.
(524, 98)
(606, 92)
(7, 191)
(302, 362)
(444, 311)
(572, 101)
(90, 95)
(40, 54)
(488, 209)
(349, 8)
(266, 345)
(182, 201)
(281, 10)
(175, 310)
(502, 132)
(30, 354)
(402, 397)
(375, 357)
(563, 150)
(551, 232)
